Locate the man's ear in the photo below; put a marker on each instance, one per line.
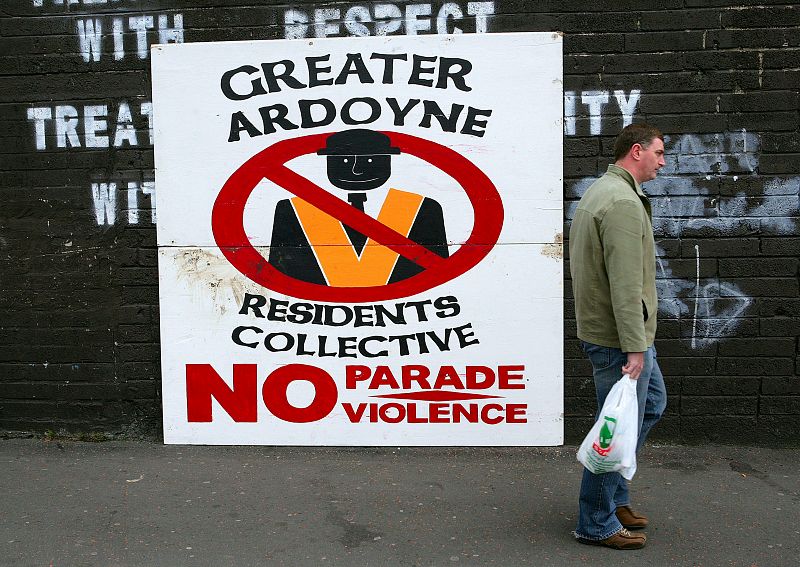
(636, 150)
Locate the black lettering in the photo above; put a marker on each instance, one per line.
(448, 123)
(314, 71)
(463, 336)
(443, 345)
(471, 122)
(254, 302)
(402, 341)
(285, 75)
(270, 347)
(301, 345)
(330, 315)
(354, 66)
(362, 347)
(318, 313)
(417, 69)
(388, 65)
(364, 316)
(322, 343)
(227, 89)
(375, 107)
(300, 313)
(280, 118)
(307, 121)
(445, 66)
(236, 336)
(401, 113)
(277, 310)
(347, 344)
(447, 303)
(397, 318)
(423, 344)
(240, 122)
(420, 307)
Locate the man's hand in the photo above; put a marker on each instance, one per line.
(635, 364)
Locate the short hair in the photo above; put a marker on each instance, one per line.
(640, 133)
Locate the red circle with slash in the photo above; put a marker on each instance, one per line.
(227, 220)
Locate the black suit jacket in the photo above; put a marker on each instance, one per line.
(291, 253)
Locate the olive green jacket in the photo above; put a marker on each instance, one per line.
(613, 264)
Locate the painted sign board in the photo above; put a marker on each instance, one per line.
(360, 240)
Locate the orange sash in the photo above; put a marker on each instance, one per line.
(336, 255)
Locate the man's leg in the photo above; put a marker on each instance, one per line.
(596, 517)
(602, 494)
(652, 397)
(655, 402)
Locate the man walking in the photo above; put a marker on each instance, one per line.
(612, 262)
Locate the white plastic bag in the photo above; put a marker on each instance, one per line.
(611, 443)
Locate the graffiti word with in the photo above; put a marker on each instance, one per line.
(147, 29)
(104, 198)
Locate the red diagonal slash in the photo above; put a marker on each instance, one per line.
(346, 213)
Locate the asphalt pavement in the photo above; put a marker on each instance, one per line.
(125, 503)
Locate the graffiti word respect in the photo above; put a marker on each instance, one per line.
(383, 18)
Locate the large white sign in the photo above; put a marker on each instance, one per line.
(360, 240)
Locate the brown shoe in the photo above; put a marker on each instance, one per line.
(630, 519)
(623, 540)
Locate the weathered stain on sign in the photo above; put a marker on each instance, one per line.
(205, 270)
(555, 250)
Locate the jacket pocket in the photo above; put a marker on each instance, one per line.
(644, 311)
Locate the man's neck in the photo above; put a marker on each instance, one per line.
(627, 166)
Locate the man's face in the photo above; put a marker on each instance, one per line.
(359, 173)
(651, 159)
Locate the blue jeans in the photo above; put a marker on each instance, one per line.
(601, 494)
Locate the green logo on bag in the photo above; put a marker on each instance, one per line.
(607, 432)
(603, 444)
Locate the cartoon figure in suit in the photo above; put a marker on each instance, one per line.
(310, 245)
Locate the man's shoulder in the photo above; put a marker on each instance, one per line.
(605, 193)
(614, 185)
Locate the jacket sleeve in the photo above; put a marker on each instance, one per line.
(622, 236)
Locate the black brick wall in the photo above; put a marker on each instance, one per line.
(78, 277)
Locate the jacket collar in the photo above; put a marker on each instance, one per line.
(626, 175)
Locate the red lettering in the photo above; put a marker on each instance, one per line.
(383, 377)
(505, 377)
(274, 393)
(439, 413)
(485, 414)
(415, 373)
(470, 413)
(477, 382)
(203, 383)
(384, 412)
(515, 413)
(412, 415)
(356, 373)
(373, 413)
(448, 376)
(354, 415)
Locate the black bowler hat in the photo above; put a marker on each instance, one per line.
(358, 142)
